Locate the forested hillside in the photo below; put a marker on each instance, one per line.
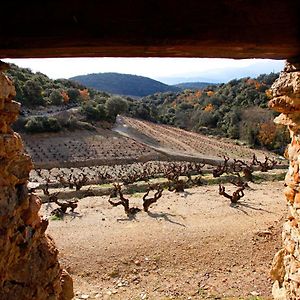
(237, 109)
(124, 84)
(43, 98)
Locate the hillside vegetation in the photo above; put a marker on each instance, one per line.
(124, 84)
(43, 99)
(237, 109)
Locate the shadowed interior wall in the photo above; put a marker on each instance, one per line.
(183, 28)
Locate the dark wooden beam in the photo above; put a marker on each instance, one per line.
(189, 28)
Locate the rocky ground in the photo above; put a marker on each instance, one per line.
(191, 245)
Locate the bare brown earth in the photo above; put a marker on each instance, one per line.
(84, 148)
(132, 141)
(174, 141)
(192, 245)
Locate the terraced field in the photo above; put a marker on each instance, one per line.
(85, 148)
(172, 140)
(130, 141)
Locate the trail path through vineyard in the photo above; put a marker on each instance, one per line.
(131, 140)
(192, 245)
(181, 144)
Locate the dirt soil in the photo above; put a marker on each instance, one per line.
(178, 142)
(131, 141)
(191, 245)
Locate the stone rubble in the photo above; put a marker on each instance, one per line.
(29, 267)
(286, 264)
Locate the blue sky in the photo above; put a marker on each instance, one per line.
(167, 70)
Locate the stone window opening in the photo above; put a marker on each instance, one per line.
(23, 233)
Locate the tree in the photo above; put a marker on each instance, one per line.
(114, 106)
(94, 111)
(74, 95)
(42, 124)
(33, 93)
(56, 98)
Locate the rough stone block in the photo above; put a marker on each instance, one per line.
(7, 90)
(29, 267)
(10, 145)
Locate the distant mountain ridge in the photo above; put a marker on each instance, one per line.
(124, 84)
(194, 85)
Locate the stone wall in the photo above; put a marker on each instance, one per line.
(29, 267)
(286, 264)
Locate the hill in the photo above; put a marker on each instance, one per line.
(193, 85)
(53, 105)
(237, 109)
(124, 84)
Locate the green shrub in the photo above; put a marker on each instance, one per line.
(42, 124)
(94, 111)
(114, 106)
(56, 98)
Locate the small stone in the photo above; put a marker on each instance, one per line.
(254, 293)
(137, 262)
(84, 296)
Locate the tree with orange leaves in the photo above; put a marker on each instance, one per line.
(65, 96)
(85, 95)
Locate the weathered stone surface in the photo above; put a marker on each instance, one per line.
(292, 66)
(29, 267)
(36, 275)
(286, 265)
(277, 270)
(10, 112)
(290, 120)
(15, 170)
(290, 194)
(67, 286)
(7, 91)
(8, 115)
(10, 145)
(285, 104)
(278, 292)
(288, 84)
